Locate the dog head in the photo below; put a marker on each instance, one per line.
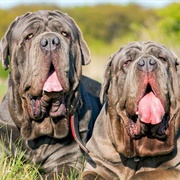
(45, 51)
(141, 83)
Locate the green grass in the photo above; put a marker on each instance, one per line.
(15, 167)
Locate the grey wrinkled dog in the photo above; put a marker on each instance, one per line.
(46, 104)
(136, 135)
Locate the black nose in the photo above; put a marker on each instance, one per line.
(50, 42)
(147, 64)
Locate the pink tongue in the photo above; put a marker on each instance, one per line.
(150, 109)
(52, 84)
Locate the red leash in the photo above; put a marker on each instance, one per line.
(74, 123)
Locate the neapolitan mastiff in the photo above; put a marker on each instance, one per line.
(136, 134)
(46, 104)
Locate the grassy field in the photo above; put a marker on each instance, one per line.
(15, 167)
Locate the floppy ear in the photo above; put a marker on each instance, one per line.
(86, 55)
(107, 76)
(176, 79)
(177, 63)
(4, 46)
(106, 79)
(4, 50)
(85, 52)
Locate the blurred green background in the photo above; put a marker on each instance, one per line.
(108, 27)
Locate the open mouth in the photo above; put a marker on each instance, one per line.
(150, 119)
(52, 83)
(51, 102)
(150, 108)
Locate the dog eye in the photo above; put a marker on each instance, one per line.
(126, 63)
(29, 36)
(162, 58)
(65, 34)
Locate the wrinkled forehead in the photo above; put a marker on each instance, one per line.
(44, 18)
(138, 49)
(143, 48)
(147, 48)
